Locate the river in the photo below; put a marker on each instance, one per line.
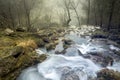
(82, 59)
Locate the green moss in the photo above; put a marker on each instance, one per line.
(14, 58)
(107, 74)
(11, 72)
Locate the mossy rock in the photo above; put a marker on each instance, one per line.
(11, 67)
(50, 46)
(8, 62)
(107, 74)
(46, 39)
(67, 43)
(17, 51)
(40, 42)
(99, 34)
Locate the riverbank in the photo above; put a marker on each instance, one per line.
(17, 49)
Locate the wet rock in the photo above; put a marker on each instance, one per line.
(107, 74)
(100, 58)
(46, 40)
(60, 30)
(40, 43)
(117, 52)
(115, 38)
(62, 52)
(70, 76)
(67, 41)
(99, 36)
(79, 52)
(95, 53)
(50, 46)
(64, 69)
(20, 29)
(107, 61)
(54, 38)
(50, 34)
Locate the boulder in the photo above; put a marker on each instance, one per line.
(107, 74)
(115, 38)
(11, 66)
(46, 40)
(20, 29)
(50, 46)
(17, 51)
(40, 43)
(68, 41)
(99, 36)
(8, 31)
(62, 52)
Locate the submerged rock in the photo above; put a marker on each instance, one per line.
(101, 59)
(69, 73)
(70, 76)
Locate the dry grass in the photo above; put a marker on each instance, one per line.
(27, 44)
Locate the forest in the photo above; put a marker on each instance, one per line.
(59, 39)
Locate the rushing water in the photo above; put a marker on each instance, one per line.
(77, 63)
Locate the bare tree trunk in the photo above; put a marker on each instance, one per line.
(28, 19)
(27, 12)
(101, 17)
(69, 17)
(78, 18)
(95, 14)
(118, 28)
(88, 13)
(11, 17)
(111, 15)
(18, 15)
(67, 4)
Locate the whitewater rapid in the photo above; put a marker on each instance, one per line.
(72, 65)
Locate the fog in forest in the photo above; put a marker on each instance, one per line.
(59, 39)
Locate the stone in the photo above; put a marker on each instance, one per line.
(99, 36)
(9, 31)
(20, 29)
(17, 51)
(106, 74)
(70, 76)
(67, 41)
(46, 40)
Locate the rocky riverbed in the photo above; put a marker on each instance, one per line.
(78, 57)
